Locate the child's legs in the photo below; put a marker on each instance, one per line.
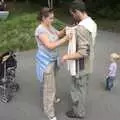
(112, 81)
(109, 82)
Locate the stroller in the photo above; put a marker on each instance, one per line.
(8, 84)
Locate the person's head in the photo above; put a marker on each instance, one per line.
(78, 11)
(46, 16)
(114, 57)
(2, 5)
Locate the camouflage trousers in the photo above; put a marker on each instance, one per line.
(79, 92)
(48, 91)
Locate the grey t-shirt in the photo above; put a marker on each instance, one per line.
(51, 34)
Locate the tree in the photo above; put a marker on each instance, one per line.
(50, 4)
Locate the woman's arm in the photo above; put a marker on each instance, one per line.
(52, 45)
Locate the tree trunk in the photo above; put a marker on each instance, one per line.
(50, 4)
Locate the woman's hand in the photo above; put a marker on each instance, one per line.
(61, 33)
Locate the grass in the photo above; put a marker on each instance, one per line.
(18, 31)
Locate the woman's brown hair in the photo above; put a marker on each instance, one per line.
(44, 12)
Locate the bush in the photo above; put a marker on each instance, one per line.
(104, 8)
(109, 13)
(18, 32)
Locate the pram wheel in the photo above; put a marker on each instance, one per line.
(5, 94)
(6, 99)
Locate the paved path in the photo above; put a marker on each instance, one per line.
(102, 105)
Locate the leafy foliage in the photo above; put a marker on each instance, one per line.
(18, 32)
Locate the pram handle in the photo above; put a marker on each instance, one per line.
(5, 58)
(6, 55)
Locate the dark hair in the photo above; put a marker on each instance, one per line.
(44, 12)
(78, 6)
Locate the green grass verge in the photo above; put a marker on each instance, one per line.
(18, 31)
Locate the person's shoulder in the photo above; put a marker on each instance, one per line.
(80, 27)
(40, 29)
(93, 21)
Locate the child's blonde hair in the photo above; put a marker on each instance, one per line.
(115, 56)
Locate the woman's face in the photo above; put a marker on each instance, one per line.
(50, 19)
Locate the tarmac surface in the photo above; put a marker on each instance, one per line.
(101, 104)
